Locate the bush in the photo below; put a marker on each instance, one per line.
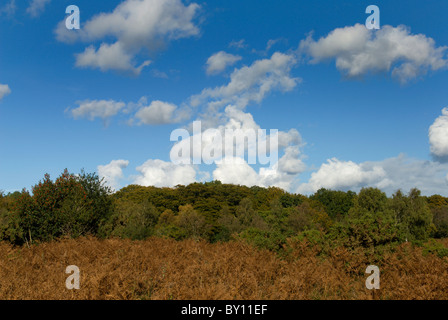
(435, 247)
(271, 240)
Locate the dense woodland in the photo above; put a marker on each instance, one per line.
(78, 205)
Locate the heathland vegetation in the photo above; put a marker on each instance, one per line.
(329, 238)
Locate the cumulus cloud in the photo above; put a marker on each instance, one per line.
(92, 109)
(4, 90)
(156, 113)
(438, 137)
(37, 7)
(160, 173)
(251, 83)
(137, 26)
(358, 51)
(236, 170)
(109, 57)
(345, 175)
(388, 175)
(113, 172)
(233, 166)
(159, 112)
(219, 61)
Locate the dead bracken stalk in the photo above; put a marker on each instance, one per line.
(165, 269)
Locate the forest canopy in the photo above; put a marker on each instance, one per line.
(78, 205)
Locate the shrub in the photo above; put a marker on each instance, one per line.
(271, 240)
(435, 247)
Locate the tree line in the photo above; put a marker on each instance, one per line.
(78, 205)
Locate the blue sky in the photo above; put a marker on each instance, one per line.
(357, 107)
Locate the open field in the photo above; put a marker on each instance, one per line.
(166, 269)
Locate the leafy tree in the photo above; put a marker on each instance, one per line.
(135, 221)
(369, 222)
(9, 224)
(439, 209)
(191, 222)
(306, 217)
(337, 203)
(413, 215)
(229, 224)
(70, 206)
(247, 216)
(440, 218)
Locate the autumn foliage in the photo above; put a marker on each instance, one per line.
(167, 269)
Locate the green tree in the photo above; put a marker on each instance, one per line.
(306, 217)
(131, 220)
(337, 203)
(369, 222)
(191, 222)
(247, 216)
(70, 206)
(413, 215)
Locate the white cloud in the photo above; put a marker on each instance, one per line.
(160, 173)
(271, 43)
(240, 44)
(291, 163)
(92, 109)
(251, 83)
(345, 175)
(359, 51)
(37, 7)
(4, 90)
(438, 136)
(113, 172)
(159, 112)
(388, 175)
(219, 61)
(281, 172)
(137, 26)
(236, 171)
(109, 57)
